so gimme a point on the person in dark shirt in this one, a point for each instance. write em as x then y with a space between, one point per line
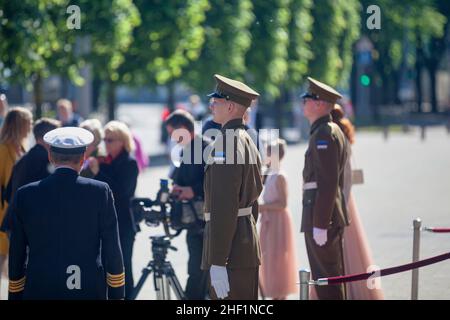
188 185
211 129
33 166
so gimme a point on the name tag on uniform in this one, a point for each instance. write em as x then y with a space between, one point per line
322 144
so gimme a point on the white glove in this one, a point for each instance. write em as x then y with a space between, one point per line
320 236
219 281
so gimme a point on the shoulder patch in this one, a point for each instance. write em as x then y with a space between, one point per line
219 156
322 144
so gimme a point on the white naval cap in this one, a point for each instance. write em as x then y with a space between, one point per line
69 140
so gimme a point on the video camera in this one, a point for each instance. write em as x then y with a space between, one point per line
168 210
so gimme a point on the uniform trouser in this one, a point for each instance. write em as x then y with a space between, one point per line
243 284
196 285
127 242
327 261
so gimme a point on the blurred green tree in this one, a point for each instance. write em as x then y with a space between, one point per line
298 57
402 25
266 59
108 27
35 42
335 29
227 40
170 36
431 34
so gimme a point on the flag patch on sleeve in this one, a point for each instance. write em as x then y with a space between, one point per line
322 144
219 156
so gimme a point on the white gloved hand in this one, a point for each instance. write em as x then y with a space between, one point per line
219 281
320 236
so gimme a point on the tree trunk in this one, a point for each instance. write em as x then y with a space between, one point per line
171 96
111 100
278 105
96 89
432 68
38 96
419 93
418 67
396 87
384 86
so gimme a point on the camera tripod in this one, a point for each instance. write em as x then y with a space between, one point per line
164 277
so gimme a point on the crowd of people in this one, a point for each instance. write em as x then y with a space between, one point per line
120 160
116 165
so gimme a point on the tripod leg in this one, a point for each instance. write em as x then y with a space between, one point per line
166 287
176 286
145 273
174 282
160 287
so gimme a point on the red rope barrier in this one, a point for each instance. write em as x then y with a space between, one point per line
437 230
383 272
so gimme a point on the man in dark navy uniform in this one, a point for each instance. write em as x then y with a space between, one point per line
63 228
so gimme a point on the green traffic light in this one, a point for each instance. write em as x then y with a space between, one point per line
365 80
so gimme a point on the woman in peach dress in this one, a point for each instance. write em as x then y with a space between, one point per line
357 253
278 273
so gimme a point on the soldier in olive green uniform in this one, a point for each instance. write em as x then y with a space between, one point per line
232 186
324 210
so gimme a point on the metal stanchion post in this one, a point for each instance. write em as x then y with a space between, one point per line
304 275
417 223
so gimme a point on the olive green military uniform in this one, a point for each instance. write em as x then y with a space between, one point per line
232 186
323 200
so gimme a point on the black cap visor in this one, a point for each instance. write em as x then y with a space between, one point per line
308 95
216 94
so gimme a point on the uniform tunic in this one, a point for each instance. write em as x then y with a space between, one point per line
324 203
61 226
232 182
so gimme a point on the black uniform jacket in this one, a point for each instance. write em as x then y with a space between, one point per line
61 226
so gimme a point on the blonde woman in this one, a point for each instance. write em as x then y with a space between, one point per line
120 170
13 135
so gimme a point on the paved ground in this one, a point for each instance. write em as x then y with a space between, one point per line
405 178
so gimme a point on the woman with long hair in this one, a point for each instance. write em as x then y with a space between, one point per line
14 132
120 170
357 253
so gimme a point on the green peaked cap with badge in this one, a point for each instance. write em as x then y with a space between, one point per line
233 90
321 91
